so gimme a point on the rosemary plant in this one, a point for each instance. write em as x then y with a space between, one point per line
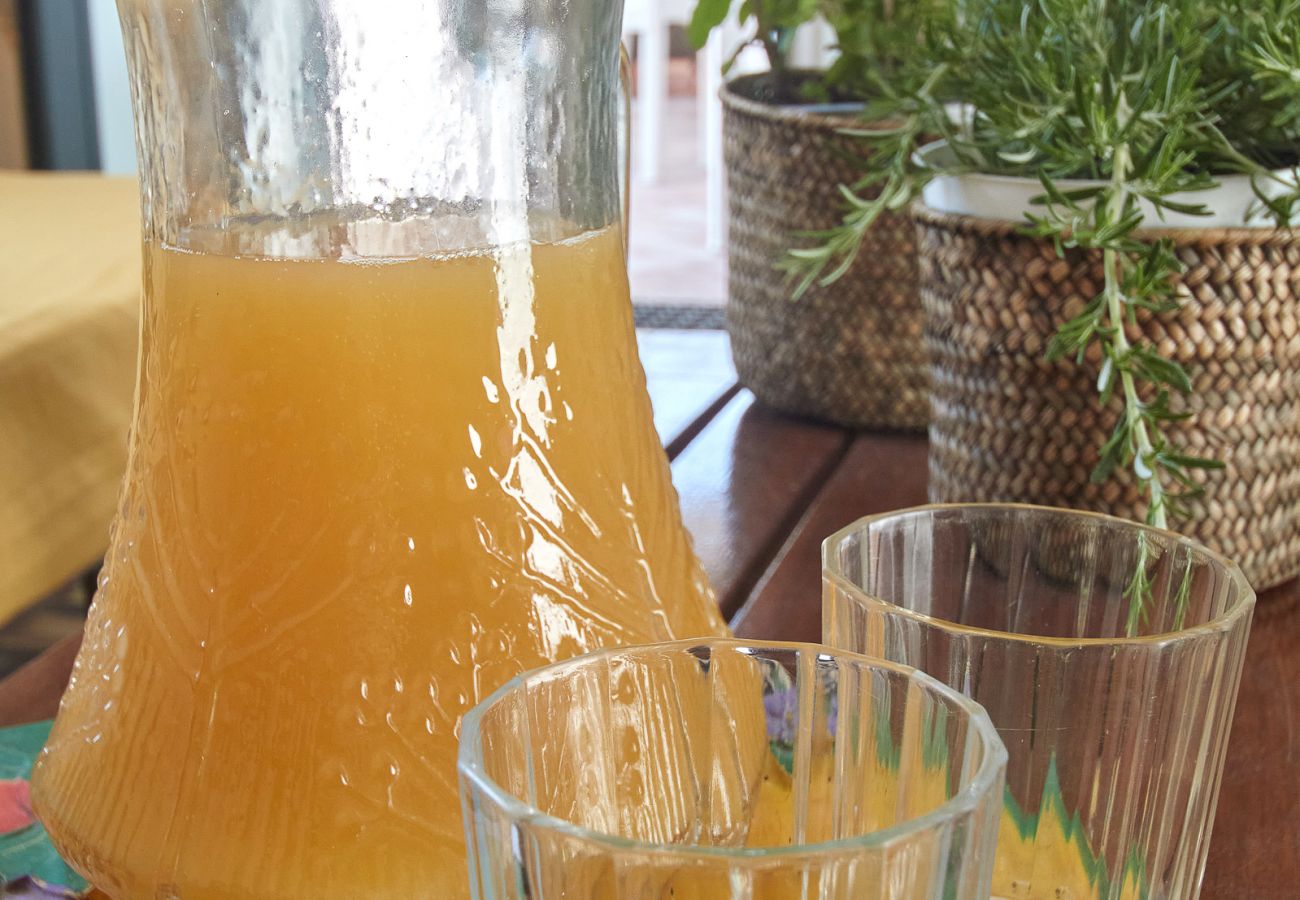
1149 99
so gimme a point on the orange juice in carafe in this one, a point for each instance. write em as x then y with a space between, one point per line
361 495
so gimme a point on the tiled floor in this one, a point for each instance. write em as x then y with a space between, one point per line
668 262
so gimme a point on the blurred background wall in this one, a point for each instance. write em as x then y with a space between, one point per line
13 122
65 100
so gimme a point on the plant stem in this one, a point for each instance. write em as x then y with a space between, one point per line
1144 455
771 45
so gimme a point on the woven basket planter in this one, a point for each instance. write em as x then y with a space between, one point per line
1009 426
852 352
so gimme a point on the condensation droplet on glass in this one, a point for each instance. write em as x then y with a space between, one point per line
475 441
470 481
408 600
397 685
552 357
410 543
490 389
365 690
568 410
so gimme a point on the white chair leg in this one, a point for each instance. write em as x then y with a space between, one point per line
715 179
652 90
702 62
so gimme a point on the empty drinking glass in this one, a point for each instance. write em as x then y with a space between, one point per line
1106 653
723 769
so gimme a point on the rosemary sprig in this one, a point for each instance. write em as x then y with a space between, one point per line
1139 589
890 186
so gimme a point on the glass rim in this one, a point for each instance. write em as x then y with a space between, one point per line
469 763
1240 606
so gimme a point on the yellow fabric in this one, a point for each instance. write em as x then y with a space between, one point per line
69 311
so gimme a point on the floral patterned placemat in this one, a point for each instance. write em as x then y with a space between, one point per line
29 866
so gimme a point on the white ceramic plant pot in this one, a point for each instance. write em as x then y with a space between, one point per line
1232 204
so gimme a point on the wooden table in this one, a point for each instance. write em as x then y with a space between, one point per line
760 490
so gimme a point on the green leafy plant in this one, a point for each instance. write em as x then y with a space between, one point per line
775 22
874 38
1150 99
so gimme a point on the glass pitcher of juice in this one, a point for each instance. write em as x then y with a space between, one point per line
391 446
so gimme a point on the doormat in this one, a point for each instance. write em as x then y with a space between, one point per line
685 316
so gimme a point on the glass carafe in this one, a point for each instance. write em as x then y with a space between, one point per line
392 443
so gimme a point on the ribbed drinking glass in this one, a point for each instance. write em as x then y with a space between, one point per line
1107 654
729 770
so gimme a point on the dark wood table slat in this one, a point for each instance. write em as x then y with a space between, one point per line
879 473
1255 850
744 481
32 693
